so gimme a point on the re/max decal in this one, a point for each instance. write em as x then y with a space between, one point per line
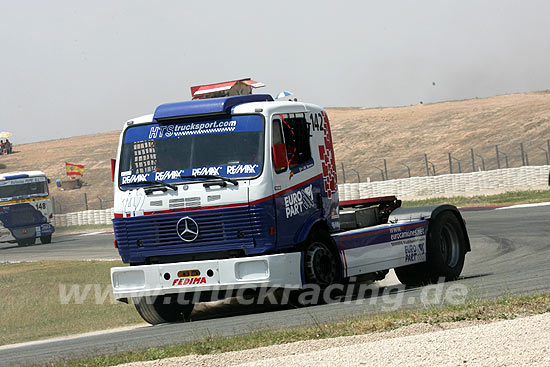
232 170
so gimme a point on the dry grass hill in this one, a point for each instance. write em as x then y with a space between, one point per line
363 138
402 135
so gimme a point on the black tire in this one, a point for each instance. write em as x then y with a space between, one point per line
445 253
322 263
162 309
46 239
26 242
322 267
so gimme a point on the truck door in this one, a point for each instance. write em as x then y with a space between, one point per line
297 184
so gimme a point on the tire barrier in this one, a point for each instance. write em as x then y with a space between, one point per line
82 218
518 178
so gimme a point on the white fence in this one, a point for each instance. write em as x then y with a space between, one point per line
85 217
517 178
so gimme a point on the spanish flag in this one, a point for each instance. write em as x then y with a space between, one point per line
74 169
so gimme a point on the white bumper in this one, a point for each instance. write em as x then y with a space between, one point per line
282 270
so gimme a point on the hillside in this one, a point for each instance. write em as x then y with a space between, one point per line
93 151
363 138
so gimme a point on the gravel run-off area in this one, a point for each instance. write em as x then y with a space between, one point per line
519 342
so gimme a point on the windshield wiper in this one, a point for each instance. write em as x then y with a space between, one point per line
156 183
213 177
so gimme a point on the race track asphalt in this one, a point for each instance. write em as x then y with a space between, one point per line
88 246
510 255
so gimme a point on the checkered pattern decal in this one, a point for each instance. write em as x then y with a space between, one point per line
326 153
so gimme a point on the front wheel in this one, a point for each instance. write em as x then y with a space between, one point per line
26 241
322 268
46 239
162 309
446 250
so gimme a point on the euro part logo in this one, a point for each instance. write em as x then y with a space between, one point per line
299 201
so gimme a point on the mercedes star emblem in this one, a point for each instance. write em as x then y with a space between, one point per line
188 229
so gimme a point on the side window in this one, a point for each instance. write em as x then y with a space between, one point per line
296 137
278 147
277 135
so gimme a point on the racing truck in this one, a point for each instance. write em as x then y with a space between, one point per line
240 192
25 208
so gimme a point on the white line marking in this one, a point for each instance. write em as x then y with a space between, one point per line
524 206
74 336
94 233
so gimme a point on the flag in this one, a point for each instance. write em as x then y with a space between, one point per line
74 169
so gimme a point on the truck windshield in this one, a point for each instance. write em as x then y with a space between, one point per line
23 188
228 147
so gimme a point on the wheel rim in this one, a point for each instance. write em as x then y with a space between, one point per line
320 264
450 245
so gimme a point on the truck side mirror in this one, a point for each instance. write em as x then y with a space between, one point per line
113 165
279 157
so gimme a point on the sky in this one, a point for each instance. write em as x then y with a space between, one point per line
73 68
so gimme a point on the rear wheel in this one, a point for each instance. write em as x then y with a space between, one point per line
446 250
46 239
162 309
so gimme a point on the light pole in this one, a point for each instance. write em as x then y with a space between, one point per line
433 167
427 167
358 177
459 167
343 172
408 169
546 154
381 172
482 162
505 158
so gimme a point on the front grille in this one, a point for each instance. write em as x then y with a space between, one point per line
23 215
184 203
221 229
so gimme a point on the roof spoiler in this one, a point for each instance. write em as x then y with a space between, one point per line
225 89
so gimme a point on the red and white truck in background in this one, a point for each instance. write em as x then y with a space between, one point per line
234 192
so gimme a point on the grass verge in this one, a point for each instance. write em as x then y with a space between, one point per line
507 307
507 198
33 293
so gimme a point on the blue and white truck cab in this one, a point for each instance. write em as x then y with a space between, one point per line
241 192
25 208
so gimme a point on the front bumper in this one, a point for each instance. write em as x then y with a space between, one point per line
25 232
281 270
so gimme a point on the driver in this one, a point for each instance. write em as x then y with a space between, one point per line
166 158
